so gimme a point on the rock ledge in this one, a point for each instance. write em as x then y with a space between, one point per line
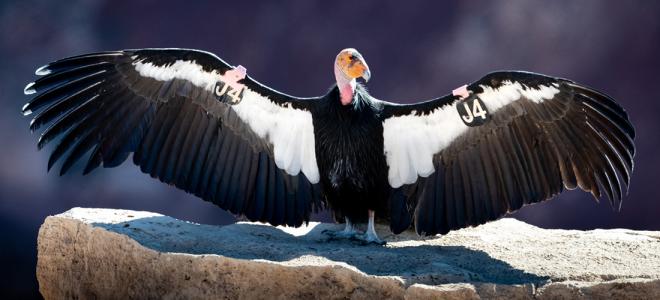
120 254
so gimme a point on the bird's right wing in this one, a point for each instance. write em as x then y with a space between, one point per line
190 120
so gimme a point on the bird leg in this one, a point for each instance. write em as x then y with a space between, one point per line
370 235
350 232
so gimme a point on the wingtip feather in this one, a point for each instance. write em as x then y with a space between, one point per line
41 142
32 124
43 70
25 110
28 90
50 164
88 170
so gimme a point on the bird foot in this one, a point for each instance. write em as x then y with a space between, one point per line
362 238
340 234
367 239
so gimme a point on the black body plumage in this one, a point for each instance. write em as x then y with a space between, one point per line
350 156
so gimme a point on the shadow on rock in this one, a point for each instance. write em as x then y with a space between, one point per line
411 258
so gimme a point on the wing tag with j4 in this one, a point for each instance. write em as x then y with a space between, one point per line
227 93
473 111
228 89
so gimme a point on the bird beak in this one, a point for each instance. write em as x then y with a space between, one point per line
366 75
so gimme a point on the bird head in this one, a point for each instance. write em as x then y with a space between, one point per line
351 63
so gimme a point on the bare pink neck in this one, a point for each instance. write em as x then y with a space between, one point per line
346 86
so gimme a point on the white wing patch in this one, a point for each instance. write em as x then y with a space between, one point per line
509 92
410 141
289 130
180 69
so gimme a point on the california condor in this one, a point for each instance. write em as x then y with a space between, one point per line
192 120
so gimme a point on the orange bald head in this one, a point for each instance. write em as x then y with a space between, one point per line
352 64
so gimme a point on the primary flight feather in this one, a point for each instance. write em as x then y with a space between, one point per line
192 120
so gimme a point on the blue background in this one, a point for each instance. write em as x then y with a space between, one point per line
416 50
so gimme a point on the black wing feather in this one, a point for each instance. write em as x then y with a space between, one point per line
178 131
528 152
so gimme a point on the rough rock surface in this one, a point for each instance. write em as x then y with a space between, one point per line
118 254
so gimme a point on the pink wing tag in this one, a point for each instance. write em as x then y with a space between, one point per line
228 85
234 75
461 92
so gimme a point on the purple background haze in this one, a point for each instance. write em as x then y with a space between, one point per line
415 50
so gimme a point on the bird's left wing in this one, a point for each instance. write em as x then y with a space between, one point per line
518 138
190 120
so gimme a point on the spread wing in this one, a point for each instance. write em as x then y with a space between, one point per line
519 138
236 143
